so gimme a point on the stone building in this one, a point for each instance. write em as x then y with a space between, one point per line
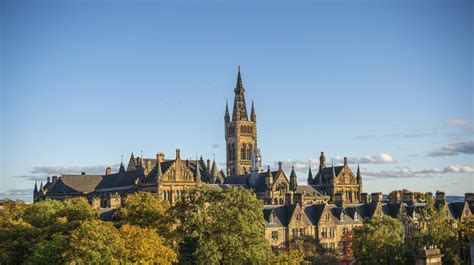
339 179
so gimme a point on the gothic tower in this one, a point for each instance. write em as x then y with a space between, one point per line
240 133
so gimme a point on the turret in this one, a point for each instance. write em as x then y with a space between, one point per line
240 107
35 191
269 179
293 179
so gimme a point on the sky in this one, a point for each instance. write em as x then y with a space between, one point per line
387 83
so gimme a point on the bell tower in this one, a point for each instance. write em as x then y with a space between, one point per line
240 133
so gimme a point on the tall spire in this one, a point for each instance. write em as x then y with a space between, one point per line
239 88
131 164
253 114
359 177
227 115
240 108
36 187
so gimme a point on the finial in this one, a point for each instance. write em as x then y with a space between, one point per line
280 164
121 159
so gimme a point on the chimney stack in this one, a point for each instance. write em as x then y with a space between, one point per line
469 198
345 161
49 179
160 157
108 171
440 197
408 198
209 166
178 154
55 178
83 173
376 197
364 198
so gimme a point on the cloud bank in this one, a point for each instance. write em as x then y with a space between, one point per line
454 149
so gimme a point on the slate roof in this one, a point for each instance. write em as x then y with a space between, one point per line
120 181
456 209
237 180
165 165
314 212
75 184
308 190
326 173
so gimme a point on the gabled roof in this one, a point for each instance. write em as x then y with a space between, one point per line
456 209
281 215
314 212
165 165
75 184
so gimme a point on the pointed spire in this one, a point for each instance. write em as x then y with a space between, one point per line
41 186
214 172
333 174
310 176
239 87
122 167
131 164
197 174
293 179
359 177
227 115
253 114
36 187
240 108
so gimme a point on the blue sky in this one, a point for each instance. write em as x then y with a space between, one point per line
387 83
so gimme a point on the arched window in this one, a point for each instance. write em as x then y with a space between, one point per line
242 152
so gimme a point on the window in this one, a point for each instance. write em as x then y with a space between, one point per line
294 232
331 232
274 235
324 232
298 217
302 231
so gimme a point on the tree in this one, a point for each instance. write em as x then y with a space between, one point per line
12 211
379 241
79 209
16 241
145 246
95 242
221 226
291 257
45 213
145 210
435 228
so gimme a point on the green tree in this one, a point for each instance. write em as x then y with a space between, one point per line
95 242
291 257
145 246
48 252
79 209
145 210
16 240
45 213
12 211
379 241
437 229
221 226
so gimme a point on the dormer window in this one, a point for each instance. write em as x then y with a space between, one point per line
272 218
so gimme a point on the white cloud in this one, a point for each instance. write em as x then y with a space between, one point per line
406 172
40 173
371 159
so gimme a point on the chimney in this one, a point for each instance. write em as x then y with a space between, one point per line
469 198
345 161
408 198
160 157
376 197
55 178
178 154
209 166
108 171
440 197
289 198
83 173
364 198
49 179
339 199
